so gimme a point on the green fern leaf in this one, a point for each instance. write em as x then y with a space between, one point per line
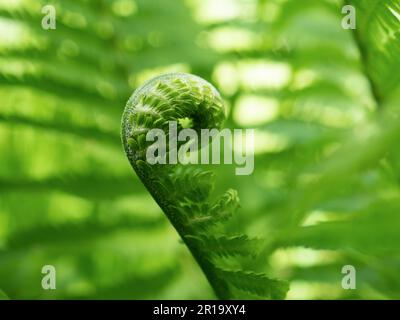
257 284
378 38
228 246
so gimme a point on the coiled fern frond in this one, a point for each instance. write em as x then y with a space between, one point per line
184 192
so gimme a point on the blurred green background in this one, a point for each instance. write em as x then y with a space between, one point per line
287 68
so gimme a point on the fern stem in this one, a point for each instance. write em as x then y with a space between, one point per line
219 287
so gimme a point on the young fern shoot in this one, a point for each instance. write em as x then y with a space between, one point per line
182 191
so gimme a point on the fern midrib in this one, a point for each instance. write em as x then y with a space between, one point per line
219 287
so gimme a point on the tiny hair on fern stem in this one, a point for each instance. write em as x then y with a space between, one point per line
183 192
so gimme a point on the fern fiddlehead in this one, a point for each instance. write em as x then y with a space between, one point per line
183 192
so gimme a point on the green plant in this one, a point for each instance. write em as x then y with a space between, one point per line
183 192
323 101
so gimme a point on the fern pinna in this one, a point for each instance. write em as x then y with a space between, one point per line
184 192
